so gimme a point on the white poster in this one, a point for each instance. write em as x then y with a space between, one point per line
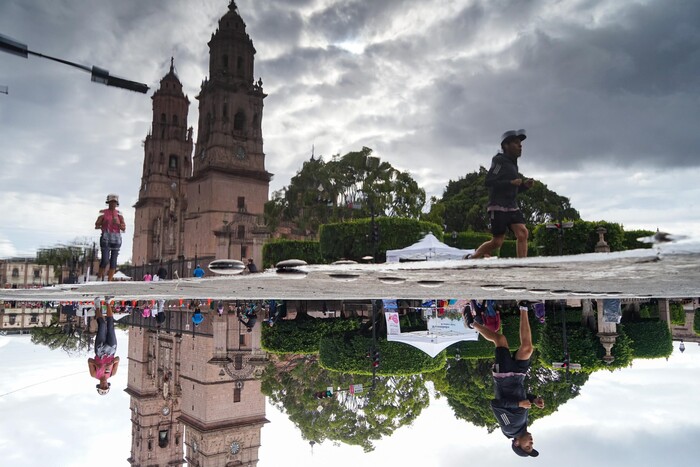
392 323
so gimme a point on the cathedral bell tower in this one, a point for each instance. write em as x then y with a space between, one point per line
229 187
160 209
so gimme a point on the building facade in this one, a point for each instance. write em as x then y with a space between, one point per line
195 393
210 204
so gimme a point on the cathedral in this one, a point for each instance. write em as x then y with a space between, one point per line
196 208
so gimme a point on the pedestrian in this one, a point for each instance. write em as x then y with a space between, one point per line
105 363
198 272
251 267
248 319
511 402
504 183
162 272
147 277
111 223
197 317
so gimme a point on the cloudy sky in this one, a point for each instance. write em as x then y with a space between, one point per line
643 415
607 90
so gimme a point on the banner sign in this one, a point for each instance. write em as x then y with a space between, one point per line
392 323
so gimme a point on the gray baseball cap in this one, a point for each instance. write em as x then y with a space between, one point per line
514 133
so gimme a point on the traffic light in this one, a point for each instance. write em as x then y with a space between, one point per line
324 394
375 233
375 358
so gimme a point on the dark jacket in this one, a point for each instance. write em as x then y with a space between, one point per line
501 191
509 392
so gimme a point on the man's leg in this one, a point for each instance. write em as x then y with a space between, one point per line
487 248
526 348
521 236
498 339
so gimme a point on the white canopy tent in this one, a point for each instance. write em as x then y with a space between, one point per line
430 342
429 248
120 276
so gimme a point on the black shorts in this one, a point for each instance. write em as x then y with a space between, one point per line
506 362
502 220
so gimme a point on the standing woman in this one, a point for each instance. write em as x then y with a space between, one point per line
111 222
105 363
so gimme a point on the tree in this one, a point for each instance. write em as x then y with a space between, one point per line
65 336
464 203
355 419
75 256
355 185
468 386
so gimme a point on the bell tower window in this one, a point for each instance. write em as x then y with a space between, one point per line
174 119
172 163
224 61
239 66
239 121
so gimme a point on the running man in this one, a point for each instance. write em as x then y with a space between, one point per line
512 403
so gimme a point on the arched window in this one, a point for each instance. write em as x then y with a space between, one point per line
162 118
174 119
241 231
239 121
163 438
239 66
225 61
172 162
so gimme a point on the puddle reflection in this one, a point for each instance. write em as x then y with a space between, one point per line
347 377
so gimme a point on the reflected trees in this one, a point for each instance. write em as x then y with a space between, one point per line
355 419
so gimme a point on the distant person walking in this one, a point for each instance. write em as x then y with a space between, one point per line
511 403
105 364
162 272
251 267
198 272
504 183
111 223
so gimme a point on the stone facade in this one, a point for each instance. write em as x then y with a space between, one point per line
195 396
213 207
25 273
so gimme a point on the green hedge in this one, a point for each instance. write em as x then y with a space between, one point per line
696 322
581 238
278 250
677 314
650 338
348 354
303 336
584 347
631 237
353 239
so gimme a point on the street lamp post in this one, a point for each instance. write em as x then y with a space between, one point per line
98 75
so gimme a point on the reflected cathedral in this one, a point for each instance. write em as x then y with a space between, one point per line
197 385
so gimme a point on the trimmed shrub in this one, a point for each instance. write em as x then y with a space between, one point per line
353 239
581 238
677 314
650 339
278 250
696 322
348 354
303 336
631 236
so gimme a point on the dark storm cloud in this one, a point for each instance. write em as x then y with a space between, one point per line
621 92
